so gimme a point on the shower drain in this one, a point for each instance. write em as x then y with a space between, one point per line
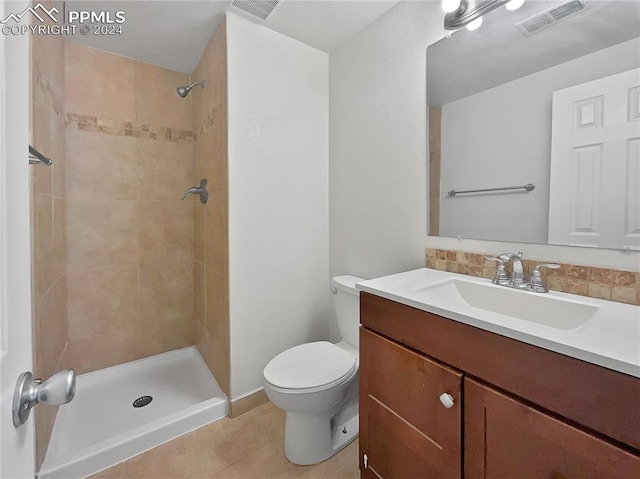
142 401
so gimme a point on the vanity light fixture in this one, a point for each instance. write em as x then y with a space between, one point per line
474 25
514 4
469 12
450 5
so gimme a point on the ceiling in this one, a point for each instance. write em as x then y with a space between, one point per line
498 52
173 34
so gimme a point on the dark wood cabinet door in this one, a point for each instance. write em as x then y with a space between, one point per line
405 430
505 438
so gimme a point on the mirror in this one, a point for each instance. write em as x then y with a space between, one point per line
525 100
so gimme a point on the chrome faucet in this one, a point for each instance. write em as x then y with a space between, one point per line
517 279
517 270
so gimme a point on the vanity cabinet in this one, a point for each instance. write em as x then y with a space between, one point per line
518 411
505 438
404 427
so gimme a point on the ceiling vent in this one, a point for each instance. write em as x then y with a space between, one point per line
257 8
549 17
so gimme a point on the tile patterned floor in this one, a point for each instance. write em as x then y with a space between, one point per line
249 446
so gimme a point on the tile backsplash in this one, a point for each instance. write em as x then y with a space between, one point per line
611 284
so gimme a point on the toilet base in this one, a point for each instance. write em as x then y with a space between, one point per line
310 439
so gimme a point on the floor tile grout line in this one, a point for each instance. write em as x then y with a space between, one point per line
273 440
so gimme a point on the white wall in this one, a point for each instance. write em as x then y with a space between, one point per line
278 204
378 154
507 141
378 150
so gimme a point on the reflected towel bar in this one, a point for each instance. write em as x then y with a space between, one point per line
527 187
37 158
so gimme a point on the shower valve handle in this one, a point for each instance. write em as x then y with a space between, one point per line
201 190
58 389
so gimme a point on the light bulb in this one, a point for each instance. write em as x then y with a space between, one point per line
514 4
475 24
450 5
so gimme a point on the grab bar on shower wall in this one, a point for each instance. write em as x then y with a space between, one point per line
527 187
37 158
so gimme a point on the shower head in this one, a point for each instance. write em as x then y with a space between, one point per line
183 91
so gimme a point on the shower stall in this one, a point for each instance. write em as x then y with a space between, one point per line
174 393
130 282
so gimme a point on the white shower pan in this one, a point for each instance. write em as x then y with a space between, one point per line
101 427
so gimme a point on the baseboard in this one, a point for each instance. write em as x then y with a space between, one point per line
247 403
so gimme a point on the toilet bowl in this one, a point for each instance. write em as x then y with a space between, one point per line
317 385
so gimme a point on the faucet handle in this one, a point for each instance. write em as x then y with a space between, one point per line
501 274
536 284
536 270
499 259
191 191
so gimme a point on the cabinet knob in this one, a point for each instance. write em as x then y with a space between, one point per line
447 400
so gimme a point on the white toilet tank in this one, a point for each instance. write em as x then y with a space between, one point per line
346 300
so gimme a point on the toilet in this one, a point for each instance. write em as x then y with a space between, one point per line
317 385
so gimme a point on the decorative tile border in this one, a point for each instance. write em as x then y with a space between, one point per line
601 283
127 128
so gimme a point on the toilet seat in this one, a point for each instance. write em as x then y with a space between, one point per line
311 366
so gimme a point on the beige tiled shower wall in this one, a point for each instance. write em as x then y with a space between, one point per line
48 221
210 225
129 143
602 283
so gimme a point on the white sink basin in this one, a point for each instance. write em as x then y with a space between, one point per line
534 307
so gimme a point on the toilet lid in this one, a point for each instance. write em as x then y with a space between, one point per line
308 366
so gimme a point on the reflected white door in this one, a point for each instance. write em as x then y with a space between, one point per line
594 197
16 444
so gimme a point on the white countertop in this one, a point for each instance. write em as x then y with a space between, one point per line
611 338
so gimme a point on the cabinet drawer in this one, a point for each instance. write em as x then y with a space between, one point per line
405 430
505 438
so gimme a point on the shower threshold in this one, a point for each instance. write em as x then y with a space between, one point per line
174 393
